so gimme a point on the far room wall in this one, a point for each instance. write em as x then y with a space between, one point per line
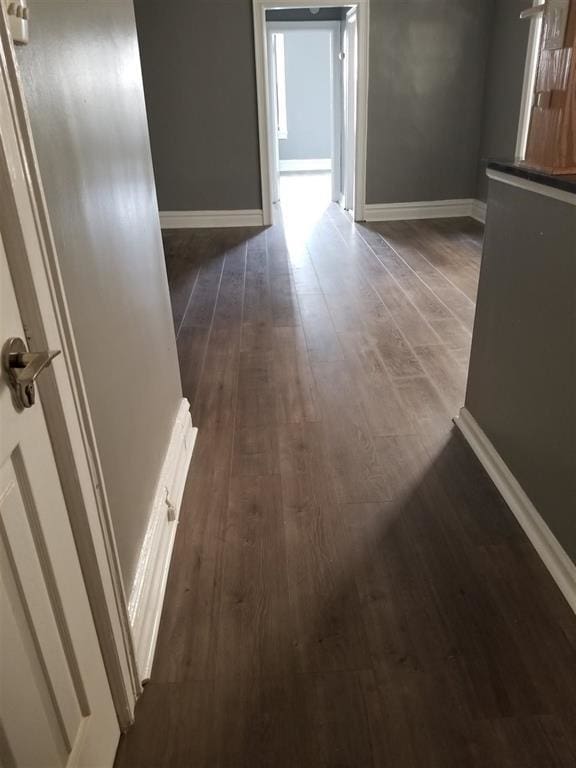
427 98
503 87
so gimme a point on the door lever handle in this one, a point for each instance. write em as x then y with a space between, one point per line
23 368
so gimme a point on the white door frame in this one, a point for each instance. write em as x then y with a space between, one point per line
529 81
349 99
273 121
35 271
263 95
336 106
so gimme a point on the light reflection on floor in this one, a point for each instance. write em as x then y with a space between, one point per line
304 197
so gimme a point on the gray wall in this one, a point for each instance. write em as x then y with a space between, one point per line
503 88
83 84
522 380
427 66
308 95
199 75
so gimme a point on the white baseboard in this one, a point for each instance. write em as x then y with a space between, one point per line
147 596
431 209
554 557
205 219
295 166
478 211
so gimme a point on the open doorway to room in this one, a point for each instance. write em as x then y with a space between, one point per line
306 102
311 67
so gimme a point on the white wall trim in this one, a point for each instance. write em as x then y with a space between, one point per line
147 595
431 209
478 210
362 108
262 88
201 219
532 186
302 166
554 557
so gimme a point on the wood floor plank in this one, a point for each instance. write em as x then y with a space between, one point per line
228 311
190 619
285 309
182 277
200 310
349 450
294 386
325 620
373 385
321 338
407 317
453 334
175 706
255 451
435 296
251 639
398 357
215 401
447 373
443 262
257 309
191 347
424 404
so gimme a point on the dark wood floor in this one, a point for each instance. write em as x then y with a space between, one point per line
347 589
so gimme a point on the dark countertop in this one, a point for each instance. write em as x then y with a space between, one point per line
565 182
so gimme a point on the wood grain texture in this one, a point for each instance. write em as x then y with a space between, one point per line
347 588
551 142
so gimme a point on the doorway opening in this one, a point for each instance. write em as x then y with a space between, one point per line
311 66
306 94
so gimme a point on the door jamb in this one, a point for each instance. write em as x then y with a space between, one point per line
262 89
530 70
34 266
348 100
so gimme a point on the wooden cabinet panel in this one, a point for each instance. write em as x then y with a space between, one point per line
552 136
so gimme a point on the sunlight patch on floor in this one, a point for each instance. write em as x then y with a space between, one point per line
304 198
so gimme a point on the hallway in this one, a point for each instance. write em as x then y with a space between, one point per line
347 588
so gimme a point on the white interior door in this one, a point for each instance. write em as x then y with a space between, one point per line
350 105
55 703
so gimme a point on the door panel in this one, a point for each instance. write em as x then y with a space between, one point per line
55 703
30 611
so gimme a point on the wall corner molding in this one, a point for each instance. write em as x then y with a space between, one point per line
429 209
478 211
147 595
551 552
209 219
